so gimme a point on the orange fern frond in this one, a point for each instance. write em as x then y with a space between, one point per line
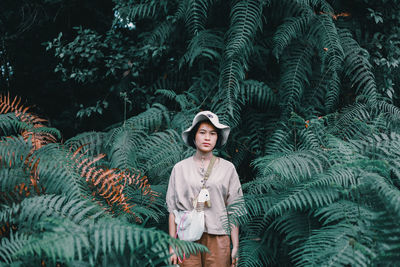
37 139
7 106
109 184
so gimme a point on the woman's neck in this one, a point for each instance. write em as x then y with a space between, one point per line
203 156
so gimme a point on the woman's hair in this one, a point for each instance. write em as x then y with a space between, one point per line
192 134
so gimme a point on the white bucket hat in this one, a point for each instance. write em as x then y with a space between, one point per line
211 117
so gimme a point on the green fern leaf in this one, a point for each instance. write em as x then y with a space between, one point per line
245 21
196 15
205 44
292 28
357 67
152 119
295 77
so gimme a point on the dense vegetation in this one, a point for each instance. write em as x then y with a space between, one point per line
309 88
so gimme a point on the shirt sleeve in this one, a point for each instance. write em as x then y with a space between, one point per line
235 195
171 193
234 189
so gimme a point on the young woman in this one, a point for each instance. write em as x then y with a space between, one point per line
223 185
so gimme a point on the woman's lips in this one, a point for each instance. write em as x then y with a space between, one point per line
206 144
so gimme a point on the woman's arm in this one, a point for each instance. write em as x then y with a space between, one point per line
235 244
172 233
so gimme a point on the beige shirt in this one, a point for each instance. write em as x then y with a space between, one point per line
223 185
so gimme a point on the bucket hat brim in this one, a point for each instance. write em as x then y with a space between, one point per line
211 117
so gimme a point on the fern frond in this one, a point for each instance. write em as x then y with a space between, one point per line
389 194
160 152
254 253
136 11
152 118
35 209
231 75
110 185
32 127
160 34
204 86
93 142
246 19
205 44
292 166
183 100
7 105
349 123
12 178
391 110
196 15
295 76
332 246
227 108
10 124
114 235
59 240
330 48
258 95
387 234
57 171
14 151
344 211
280 141
123 145
332 89
9 247
296 198
292 28
357 66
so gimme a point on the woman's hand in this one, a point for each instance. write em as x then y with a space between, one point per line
234 256
235 245
173 259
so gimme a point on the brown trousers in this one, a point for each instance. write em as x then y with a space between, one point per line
219 255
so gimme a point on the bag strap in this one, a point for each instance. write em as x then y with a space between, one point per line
209 169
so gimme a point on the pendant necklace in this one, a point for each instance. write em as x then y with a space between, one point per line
202 166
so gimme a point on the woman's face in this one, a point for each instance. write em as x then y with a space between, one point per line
206 137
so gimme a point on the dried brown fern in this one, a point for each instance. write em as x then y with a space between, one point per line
109 184
38 139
